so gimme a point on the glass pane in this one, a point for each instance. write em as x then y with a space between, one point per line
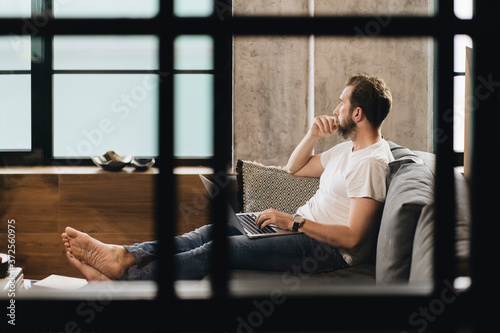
193 132
193 7
193 52
106 52
459 113
15 8
97 113
15 53
460 42
464 9
108 8
15 112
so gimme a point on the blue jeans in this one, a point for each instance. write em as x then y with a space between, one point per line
193 254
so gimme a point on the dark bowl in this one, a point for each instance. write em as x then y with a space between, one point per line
142 164
111 161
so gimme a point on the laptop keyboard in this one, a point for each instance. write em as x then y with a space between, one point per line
248 222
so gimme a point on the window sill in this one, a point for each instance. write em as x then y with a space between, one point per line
75 170
193 170
90 170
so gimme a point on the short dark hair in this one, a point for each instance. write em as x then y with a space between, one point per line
371 94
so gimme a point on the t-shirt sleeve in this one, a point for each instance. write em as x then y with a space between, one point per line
367 179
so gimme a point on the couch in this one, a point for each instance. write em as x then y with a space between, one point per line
404 247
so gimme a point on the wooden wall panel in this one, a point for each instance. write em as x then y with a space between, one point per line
42 254
116 208
30 199
114 204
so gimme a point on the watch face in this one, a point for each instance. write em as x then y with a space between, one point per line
298 219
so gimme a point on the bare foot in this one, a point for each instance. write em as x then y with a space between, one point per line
90 274
110 260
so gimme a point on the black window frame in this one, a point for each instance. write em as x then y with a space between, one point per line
42 73
349 312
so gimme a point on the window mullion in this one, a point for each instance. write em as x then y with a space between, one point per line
41 86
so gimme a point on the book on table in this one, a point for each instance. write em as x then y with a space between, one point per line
13 280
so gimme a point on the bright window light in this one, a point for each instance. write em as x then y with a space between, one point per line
193 52
106 52
15 8
15 53
460 42
94 113
107 8
15 112
193 110
464 9
192 8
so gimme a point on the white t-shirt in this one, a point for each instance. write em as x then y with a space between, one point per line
347 175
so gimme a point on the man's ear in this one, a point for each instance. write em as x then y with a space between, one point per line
358 114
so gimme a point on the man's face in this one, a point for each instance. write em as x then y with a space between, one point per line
346 126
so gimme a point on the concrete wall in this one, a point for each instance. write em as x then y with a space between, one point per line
402 63
270 86
275 97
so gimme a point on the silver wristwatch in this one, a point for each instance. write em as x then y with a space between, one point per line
298 221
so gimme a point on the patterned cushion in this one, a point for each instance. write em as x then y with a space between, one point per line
261 187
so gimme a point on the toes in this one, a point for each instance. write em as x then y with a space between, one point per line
71 258
71 233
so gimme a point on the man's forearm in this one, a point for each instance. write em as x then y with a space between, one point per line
302 153
335 235
363 215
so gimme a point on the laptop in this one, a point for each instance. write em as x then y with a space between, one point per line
245 222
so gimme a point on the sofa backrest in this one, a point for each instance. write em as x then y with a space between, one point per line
407 220
405 246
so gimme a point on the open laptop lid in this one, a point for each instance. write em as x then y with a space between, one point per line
213 191
233 219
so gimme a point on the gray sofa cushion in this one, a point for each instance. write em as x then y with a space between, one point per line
422 256
410 189
401 153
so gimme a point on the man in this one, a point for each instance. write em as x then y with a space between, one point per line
337 223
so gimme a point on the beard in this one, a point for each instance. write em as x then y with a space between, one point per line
348 130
